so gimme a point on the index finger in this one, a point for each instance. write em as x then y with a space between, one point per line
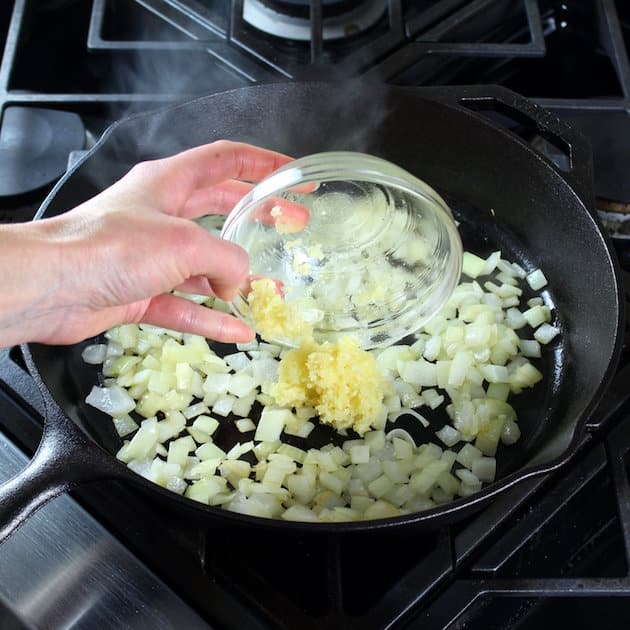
221 160
177 177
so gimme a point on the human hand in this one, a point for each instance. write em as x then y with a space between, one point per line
115 258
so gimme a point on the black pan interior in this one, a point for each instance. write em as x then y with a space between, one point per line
505 196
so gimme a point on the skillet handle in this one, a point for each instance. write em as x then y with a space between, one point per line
64 459
564 148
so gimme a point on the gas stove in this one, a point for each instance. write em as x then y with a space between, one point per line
552 548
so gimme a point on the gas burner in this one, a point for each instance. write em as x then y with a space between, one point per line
34 147
292 19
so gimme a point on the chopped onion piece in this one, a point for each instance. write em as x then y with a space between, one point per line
113 400
420 373
491 263
530 348
194 410
505 278
535 316
388 358
546 333
484 468
515 319
125 425
177 485
299 513
432 398
243 406
536 280
218 383
94 354
498 391
432 348
360 454
495 373
241 385
272 422
141 467
449 435
462 361
467 476
400 434
209 451
252 345
519 271
403 449
223 405
467 455
245 424
238 361
178 451
535 301
472 265
506 267
206 424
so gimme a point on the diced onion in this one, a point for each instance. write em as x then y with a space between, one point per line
536 280
472 265
468 360
449 435
125 425
113 400
401 434
245 424
94 354
546 333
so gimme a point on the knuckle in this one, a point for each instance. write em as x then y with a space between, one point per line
241 259
188 319
219 333
237 256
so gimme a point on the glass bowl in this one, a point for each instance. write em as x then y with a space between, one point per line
358 245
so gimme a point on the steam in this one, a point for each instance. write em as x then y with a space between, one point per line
290 118
161 78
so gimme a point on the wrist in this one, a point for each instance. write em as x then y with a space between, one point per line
30 287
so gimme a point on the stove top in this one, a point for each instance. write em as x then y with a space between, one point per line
553 548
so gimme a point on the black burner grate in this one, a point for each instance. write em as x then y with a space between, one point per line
109 58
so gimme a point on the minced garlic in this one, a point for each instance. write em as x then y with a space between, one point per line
274 318
340 380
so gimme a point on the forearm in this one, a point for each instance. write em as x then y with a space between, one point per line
29 280
117 257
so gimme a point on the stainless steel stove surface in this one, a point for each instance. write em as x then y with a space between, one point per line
73 573
553 550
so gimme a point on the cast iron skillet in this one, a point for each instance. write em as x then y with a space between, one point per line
505 194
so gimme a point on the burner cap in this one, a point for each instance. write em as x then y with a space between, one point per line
301 8
290 19
34 147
